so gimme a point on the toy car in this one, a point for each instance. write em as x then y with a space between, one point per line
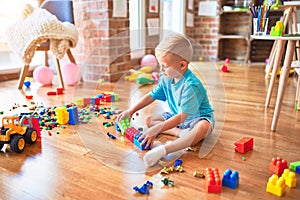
16 134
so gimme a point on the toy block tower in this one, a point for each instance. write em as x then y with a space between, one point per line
278 165
213 180
244 145
230 179
123 125
290 178
130 132
138 143
276 185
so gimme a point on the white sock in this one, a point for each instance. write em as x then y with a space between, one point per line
184 132
153 156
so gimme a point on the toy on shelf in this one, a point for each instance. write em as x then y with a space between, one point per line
213 180
244 144
276 185
230 179
295 166
225 66
278 29
278 165
290 178
16 134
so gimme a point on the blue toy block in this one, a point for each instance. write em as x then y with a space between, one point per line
298 169
294 165
177 163
144 189
230 179
137 143
73 115
93 101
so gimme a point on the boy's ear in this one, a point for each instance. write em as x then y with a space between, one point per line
183 65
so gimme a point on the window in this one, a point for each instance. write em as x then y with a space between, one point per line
172 16
136 24
10 12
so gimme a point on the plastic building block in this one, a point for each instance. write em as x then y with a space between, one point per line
86 101
138 143
59 90
278 165
230 179
244 145
177 163
298 169
276 185
290 178
130 132
62 115
168 182
294 165
213 180
73 115
78 101
123 125
110 135
278 29
144 189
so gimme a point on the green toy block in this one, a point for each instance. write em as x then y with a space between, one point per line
293 165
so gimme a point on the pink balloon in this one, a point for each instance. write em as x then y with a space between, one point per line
43 75
149 60
70 73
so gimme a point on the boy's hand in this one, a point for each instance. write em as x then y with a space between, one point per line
125 114
149 137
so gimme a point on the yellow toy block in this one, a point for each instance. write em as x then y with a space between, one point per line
62 115
79 101
290 178
276 185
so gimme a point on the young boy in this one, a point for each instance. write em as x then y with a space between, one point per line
191 115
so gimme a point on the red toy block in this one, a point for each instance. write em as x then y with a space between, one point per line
106 98
278 165
213 180
86 101
97 101
59 90
130 132
244 144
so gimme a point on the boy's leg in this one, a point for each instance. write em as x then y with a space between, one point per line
197 133
154 119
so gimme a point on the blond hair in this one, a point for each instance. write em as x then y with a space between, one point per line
177 44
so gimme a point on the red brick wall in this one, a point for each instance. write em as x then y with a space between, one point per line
103 49
206 33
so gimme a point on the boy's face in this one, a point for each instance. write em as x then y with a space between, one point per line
172 66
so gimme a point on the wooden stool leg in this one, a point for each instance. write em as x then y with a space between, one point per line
61 81
298 93
271 59
277 59
71 57
46 59
23 74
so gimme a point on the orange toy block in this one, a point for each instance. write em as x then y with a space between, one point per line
213 180
276 185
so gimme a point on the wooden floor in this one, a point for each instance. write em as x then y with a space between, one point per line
81 162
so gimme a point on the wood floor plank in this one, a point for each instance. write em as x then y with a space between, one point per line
81 162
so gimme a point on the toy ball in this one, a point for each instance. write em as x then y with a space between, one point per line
224 68
43 75
70 73
227 60
150 60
